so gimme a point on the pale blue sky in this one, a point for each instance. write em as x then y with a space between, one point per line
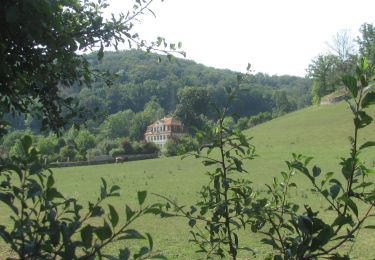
276 37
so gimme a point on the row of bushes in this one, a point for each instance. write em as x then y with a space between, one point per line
129 148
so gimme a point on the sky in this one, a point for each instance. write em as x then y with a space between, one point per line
276 37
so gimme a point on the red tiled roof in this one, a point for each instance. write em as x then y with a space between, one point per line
167 121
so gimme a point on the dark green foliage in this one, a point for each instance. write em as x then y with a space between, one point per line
127 147
366 43
150 148
325 73
282 104
68 153
116 152
142 82
40 45
180 145
192 103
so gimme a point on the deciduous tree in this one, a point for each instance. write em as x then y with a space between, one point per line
40 52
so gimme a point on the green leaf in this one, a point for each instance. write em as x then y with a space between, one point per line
363 120
150 241
235 239
113 215
129 213
124 254
316 171
103 232
143 251
97 211
342 220
368 99
367 144
114 188
35 168
50 181
8 199
322 238
52 193
192 222
351 83
351 204
100 54
86 236
141 196
285 175
153 210
132 234
305 224
334 190
208 162
307 160
103 189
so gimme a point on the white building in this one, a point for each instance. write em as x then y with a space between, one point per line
163 130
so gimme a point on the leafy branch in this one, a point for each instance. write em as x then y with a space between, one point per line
50 226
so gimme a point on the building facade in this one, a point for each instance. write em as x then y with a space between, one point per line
164 129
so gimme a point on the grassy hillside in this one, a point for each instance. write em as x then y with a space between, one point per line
316 131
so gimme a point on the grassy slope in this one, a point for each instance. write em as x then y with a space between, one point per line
317 131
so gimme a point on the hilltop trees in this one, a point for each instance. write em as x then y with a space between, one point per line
326 69
366 42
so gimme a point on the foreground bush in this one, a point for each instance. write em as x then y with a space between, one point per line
47 225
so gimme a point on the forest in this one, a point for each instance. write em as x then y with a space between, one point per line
143 88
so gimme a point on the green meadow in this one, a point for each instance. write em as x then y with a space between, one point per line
319 131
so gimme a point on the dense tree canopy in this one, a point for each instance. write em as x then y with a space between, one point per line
366 42
39 52
324 70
